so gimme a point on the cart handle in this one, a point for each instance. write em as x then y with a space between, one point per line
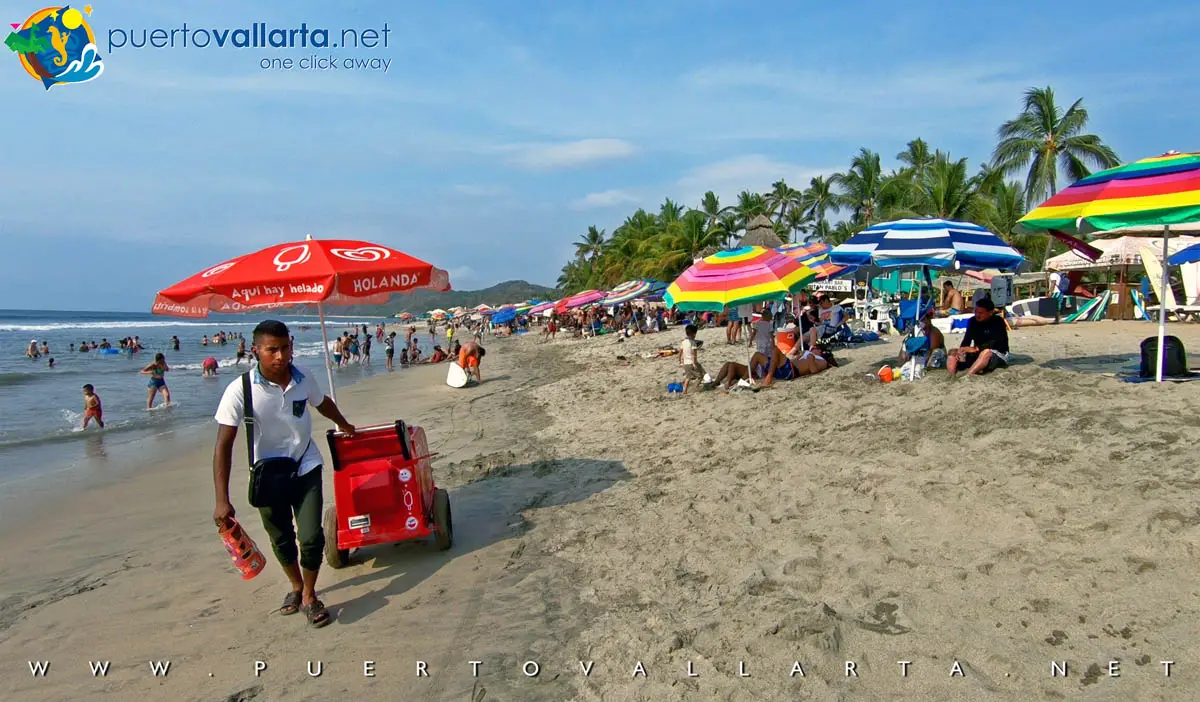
373 427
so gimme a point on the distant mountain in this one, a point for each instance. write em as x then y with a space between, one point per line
425 300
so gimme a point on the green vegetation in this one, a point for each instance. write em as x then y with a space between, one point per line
928 182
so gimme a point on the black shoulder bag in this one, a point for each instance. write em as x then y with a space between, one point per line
270 478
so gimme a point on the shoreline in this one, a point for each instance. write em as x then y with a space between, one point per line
599 519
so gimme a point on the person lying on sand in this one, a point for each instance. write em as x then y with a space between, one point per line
985 343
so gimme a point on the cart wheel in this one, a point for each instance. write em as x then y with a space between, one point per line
334 556
441 519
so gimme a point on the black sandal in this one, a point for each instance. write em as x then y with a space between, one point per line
291 603
317 615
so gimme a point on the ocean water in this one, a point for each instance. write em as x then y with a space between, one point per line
41 408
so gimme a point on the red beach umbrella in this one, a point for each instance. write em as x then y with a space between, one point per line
313 271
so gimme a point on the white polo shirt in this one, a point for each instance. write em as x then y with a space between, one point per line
282 416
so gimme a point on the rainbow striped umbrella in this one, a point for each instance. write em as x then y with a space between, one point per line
816 257
737 277
1145 195
586 297
1158 193
631 290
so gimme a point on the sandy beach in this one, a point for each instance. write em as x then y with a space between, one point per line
988 526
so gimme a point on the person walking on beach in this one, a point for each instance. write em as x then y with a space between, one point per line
92 409
688 350
158 382
280 393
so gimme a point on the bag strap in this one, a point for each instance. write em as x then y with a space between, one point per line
248 404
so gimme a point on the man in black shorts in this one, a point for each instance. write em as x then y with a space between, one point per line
985 344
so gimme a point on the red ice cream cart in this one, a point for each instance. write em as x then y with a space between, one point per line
383 491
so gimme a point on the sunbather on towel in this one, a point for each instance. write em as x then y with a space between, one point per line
985 344
810 361
768 370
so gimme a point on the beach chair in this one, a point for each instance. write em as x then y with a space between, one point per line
905 314
1154 273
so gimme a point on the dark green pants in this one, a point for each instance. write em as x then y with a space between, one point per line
304 504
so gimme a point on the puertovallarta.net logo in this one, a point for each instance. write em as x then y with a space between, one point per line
56 46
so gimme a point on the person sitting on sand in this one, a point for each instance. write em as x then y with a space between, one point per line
469 358
952 300
767 368
985 343
158 382
832 316
92 409
438 355
930 342
404 357
688 361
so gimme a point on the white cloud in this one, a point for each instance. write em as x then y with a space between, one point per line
753 172
572 154
608 198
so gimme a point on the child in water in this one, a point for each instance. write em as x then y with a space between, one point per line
92 409
158 383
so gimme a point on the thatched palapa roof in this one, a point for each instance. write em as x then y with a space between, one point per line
761 232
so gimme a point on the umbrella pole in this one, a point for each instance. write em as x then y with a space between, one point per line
325 348
1162 307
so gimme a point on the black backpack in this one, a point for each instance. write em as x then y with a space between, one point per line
1175 361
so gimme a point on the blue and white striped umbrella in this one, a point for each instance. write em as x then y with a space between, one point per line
937 243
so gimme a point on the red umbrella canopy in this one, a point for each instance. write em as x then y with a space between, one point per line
334 271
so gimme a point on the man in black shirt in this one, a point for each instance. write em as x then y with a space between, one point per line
985 345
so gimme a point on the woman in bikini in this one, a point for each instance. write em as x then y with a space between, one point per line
158 382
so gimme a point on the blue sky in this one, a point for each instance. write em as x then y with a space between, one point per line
503 129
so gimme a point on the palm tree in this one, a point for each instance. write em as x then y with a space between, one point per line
749 206
710 205
670 211
945 190
796 221
916 159
819 199
781 199
861 187
591 244
1047 139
